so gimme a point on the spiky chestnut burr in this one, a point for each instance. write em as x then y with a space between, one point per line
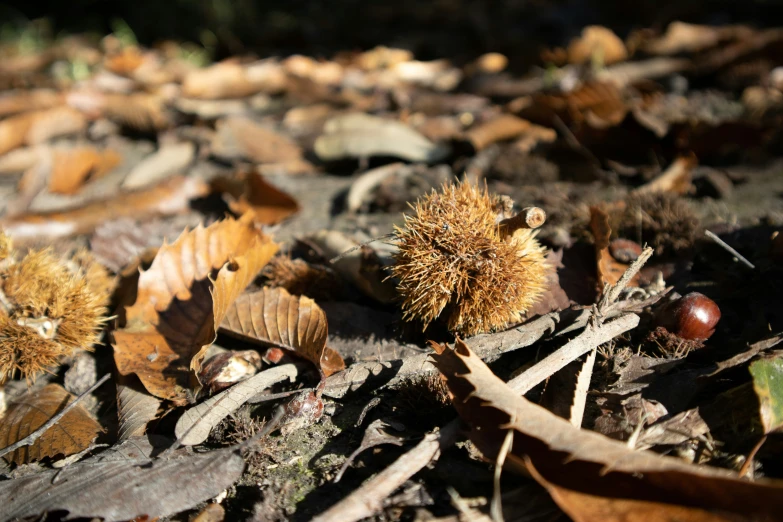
50 307
458 257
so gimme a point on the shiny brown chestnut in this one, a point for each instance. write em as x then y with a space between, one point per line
693 316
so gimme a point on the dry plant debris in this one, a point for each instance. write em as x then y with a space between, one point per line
75 431
259 252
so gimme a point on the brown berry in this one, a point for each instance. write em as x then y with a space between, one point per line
692 317
625 250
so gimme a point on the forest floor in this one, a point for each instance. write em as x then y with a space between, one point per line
227 243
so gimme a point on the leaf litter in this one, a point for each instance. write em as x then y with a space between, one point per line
276 255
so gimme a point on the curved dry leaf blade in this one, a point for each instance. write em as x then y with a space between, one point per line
584 507
504 127
170 197
139 111
73 168
72 434
361 135
196 423
269 204
233 80
586 461
250 192
135 408
676 179
155 488
295 323
167 161
22 101
239 137
178 307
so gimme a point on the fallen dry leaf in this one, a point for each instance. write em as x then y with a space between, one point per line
588 462
599 104
360 135
170 197
683 37
361 266
239 137
504 127
250 192
166 161
148 487
233 80
36 127
72 168
180 303
23 101
18 160
609 270
676 179
139 111
597 44
197 422
295 323
584 507
72 433
135 408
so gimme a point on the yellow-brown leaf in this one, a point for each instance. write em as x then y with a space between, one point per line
295 323
71 434
178 306
73 168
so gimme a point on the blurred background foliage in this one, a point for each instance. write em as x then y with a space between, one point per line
456 29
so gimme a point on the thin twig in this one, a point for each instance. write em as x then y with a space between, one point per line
593 335
729 249
613 292
34 436
368 498
496 507
360 245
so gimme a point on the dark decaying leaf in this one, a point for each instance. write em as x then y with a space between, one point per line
72 433
295 323
123 486
180 303
588 462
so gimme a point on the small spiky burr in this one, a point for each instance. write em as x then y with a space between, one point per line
459 258
50 307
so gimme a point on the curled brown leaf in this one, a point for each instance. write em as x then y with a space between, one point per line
182 299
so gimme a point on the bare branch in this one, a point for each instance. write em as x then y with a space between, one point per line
593 336
368 499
